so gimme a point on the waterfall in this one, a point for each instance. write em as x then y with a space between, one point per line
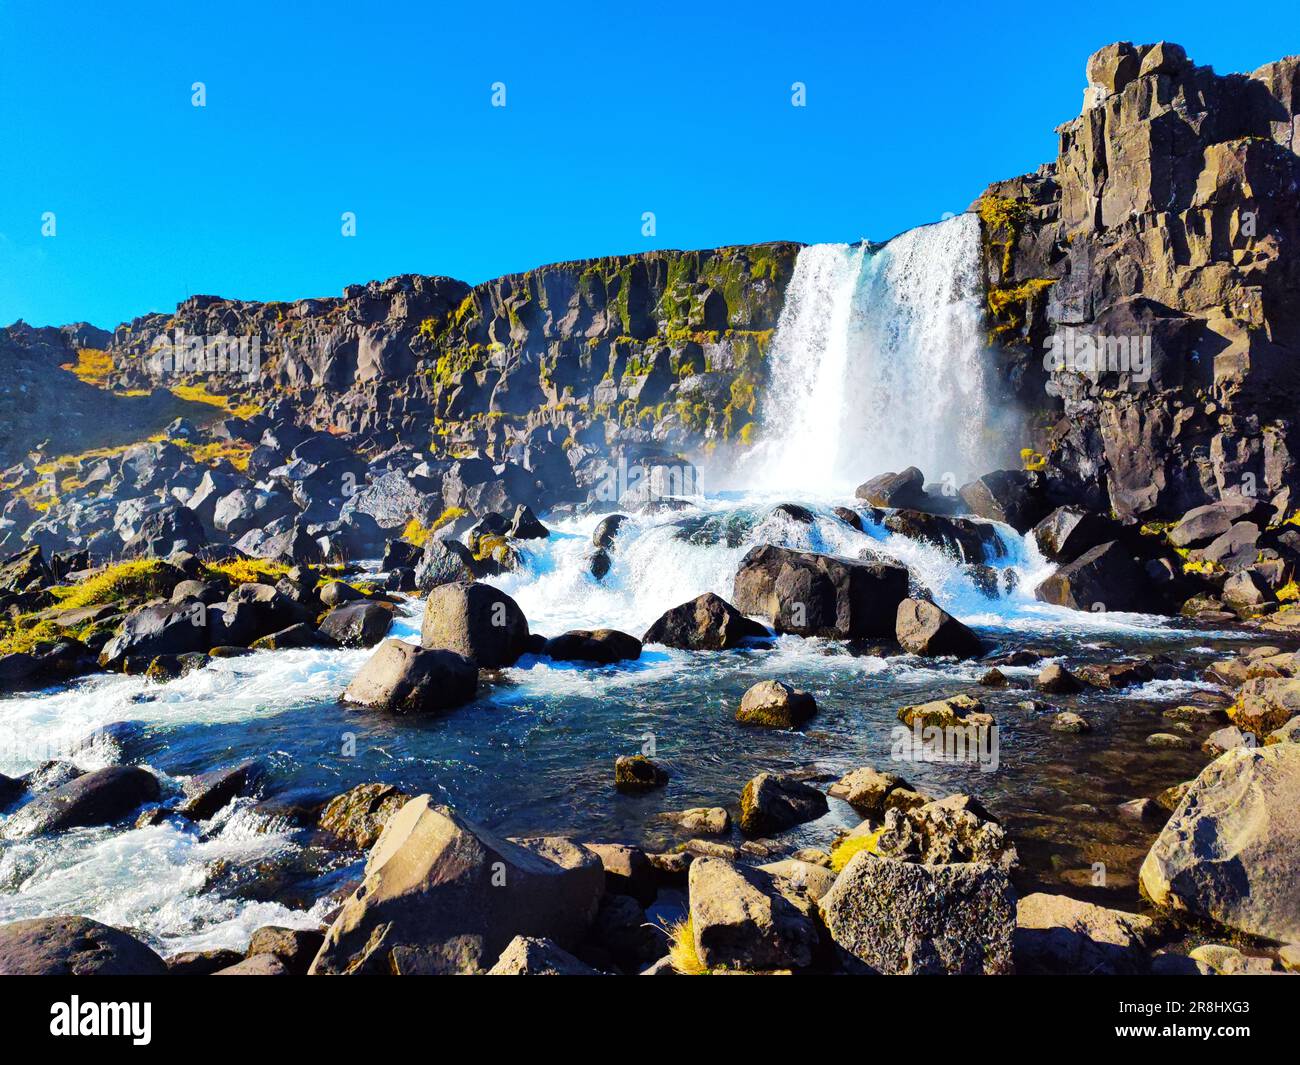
879 363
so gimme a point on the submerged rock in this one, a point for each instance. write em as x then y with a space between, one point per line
97 798
636 772
603 646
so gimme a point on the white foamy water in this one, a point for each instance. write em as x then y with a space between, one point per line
879 363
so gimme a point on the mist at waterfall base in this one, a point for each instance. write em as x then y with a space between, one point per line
878 363
534 754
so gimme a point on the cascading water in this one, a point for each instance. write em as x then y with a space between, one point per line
879 363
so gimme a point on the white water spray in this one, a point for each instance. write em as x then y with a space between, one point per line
879 363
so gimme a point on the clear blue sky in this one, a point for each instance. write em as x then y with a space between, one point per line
613 109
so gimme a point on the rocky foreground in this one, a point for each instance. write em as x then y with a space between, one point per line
923 884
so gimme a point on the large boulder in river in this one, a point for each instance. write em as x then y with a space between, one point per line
771 804
771 704
442 895
477 621
163 629
404 679
208 793
741 919
1106 577
894 917
1231 851
602 646
707 623
925 629
361 624
967 540
810 594
904 489
73 946
97 798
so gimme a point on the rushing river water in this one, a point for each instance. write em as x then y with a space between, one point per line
535 752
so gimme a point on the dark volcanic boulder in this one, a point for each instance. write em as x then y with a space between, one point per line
404 679
97 798
1068 532
810 594
1105 577
1013 497
443 562
600 645
603 535
206 794
1201 525
970 541
24 570
167 531
361 624
771 804
73 946
10 789
525 526
442 895
925 629
706 623
894 489
477 621
164 629
1236 550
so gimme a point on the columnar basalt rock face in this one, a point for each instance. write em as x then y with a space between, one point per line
1168 218
665 346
